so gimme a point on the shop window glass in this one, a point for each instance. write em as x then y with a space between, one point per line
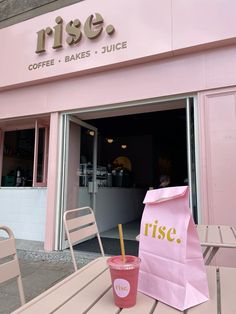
41 155
23 157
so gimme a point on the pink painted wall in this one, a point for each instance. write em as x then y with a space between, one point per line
177 75
153 28
1 151
52 182
202 22
218 154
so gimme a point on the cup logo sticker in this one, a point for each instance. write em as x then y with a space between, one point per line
121 287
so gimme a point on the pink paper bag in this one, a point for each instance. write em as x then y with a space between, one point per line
172 269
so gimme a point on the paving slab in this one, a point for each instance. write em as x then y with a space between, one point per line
37 276
40 270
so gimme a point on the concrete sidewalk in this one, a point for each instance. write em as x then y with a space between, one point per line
40 270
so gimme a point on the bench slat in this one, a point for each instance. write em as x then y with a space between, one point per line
144 304
227 235
87 296
201 229
7 247
227 290
213 235
9 270
165 309
105 305
83 233
79 221
52 299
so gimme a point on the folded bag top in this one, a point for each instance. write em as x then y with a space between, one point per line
164 194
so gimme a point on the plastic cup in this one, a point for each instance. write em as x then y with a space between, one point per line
124 277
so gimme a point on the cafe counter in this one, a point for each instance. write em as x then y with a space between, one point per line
114 205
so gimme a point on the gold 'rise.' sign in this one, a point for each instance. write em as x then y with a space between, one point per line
93 27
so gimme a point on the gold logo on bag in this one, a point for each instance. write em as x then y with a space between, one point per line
161 232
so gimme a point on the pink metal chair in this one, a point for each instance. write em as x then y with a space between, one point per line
9 264
80 224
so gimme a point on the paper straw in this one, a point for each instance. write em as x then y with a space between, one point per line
122 247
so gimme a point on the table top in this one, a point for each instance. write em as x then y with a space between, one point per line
88 290
217 236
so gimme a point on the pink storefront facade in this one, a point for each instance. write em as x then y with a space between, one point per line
159 52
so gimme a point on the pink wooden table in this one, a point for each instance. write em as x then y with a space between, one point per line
89 291
214 237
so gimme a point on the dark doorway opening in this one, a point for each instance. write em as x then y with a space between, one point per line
143 147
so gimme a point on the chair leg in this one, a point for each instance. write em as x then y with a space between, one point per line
21 290
206 251
100 244
73 257
211 255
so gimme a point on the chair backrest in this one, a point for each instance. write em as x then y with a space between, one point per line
9 264
80 224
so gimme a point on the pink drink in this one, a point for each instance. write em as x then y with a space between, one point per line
124 277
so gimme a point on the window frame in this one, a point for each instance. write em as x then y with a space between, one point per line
45 156
36 125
